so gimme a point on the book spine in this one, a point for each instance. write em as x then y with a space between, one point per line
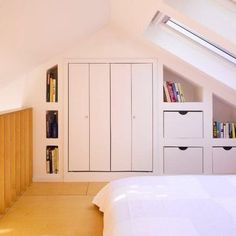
48 87
174 91
170 90
54 126
54 90
56 160
181 92
177 94
51 89
221 130
50 161
214 129
56 87
166 92
233 130
47 161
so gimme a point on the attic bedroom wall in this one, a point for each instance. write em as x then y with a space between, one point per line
12 94
107 43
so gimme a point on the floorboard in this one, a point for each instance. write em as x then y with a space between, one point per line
54 209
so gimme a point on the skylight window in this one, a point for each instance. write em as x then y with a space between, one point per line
199 39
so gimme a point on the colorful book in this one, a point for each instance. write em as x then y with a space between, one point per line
166 92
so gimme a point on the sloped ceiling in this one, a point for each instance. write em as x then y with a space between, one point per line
213 19
32 31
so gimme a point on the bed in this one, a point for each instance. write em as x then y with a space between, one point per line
169 205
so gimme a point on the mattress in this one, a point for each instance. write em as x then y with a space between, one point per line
169 205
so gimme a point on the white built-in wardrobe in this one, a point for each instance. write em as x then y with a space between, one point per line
110 117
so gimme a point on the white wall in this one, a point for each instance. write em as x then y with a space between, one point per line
110 42
106 43
12 94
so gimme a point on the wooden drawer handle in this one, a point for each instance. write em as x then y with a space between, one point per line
183 148
183 112
227 148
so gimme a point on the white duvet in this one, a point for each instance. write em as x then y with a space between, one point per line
169 206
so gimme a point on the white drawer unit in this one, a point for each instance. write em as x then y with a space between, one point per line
183 160
224 160
183 124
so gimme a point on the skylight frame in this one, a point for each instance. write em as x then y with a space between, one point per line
187 32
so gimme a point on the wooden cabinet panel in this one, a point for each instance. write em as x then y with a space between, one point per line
2 166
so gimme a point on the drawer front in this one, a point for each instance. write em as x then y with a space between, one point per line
179 160
183 124
224 160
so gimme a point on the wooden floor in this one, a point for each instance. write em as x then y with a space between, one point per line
54 209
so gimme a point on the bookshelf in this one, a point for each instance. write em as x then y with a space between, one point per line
224 119
52 84
52 122
52 156
187 142
182 138
191 91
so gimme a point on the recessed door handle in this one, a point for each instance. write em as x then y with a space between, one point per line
86 117
134 117
183 112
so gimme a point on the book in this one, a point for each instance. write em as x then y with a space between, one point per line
224 129
52 124
233 130
174 91
166 92
52 160
48 88
214 129
182 99
178 98
170 90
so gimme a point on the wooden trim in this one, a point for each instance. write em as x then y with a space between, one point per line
17 146
2 167
7 148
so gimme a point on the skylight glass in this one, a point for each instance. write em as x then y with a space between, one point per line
200 39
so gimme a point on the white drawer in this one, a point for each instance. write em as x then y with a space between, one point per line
224 160
183 124
183 160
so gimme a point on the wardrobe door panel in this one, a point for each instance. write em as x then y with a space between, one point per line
120 117
99 117
78 117
142 117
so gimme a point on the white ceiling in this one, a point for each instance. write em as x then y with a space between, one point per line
32 31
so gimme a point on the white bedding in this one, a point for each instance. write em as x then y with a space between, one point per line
169 205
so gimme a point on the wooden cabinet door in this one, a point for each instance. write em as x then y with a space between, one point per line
120 117
141 117
99 117
78 117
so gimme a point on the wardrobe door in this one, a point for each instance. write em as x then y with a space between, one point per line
99 117
120 117
141 117
78 117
